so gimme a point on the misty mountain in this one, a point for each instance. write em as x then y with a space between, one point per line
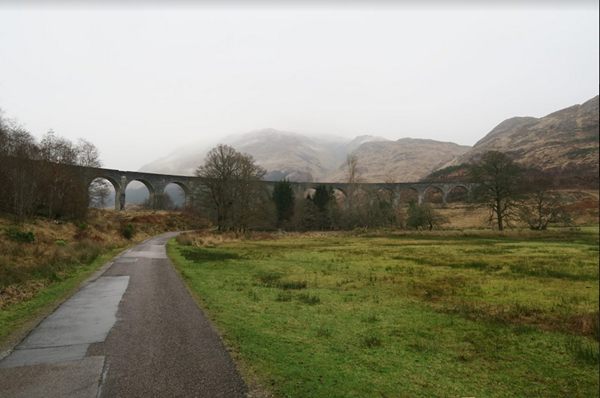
565 141
283 154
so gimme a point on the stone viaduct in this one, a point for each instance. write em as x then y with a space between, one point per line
156 184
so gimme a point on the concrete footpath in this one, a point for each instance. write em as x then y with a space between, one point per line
133 332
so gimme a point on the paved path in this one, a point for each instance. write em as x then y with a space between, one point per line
134 332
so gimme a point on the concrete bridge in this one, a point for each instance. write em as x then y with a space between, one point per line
156 184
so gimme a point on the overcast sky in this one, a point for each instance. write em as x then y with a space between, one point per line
141 81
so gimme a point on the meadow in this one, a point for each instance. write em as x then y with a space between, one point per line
419 315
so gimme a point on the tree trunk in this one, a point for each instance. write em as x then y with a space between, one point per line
500 220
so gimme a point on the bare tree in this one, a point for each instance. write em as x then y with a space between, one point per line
357 200
87 154
542 205
231 188
35 176
65 191
352 171
498 187
20 175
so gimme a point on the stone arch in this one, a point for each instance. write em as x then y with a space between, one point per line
342 197
434 195
361 197
309 193
387 194
458 193
151 191
408 195
97 193
187 192
343 191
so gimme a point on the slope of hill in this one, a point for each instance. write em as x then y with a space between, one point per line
404 160
562 142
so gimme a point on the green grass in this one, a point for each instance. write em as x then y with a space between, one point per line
446 315
12 318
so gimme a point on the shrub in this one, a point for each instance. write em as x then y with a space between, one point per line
309 299
129 231
16 235
185 240
61 242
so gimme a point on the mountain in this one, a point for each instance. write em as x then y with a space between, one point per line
562 142
304 158
565 142
405 160
283 154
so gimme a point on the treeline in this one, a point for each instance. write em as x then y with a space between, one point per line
34 179
235 199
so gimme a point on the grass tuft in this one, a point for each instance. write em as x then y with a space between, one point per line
291 285
583 350
309 299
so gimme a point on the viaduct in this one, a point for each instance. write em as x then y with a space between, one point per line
156 184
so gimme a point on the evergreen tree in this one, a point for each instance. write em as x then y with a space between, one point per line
325 201
285 201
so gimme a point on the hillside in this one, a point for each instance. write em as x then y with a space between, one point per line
404 160
564 142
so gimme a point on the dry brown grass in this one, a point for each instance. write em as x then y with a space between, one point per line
60 247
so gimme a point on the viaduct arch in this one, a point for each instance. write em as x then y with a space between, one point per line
395 189
156 184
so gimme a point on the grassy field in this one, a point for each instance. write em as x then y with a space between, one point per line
412 315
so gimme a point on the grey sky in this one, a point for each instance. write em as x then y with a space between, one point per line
141 81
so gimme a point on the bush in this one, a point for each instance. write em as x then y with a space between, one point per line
16 235
185 240
129 231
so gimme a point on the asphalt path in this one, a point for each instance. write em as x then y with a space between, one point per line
133 332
